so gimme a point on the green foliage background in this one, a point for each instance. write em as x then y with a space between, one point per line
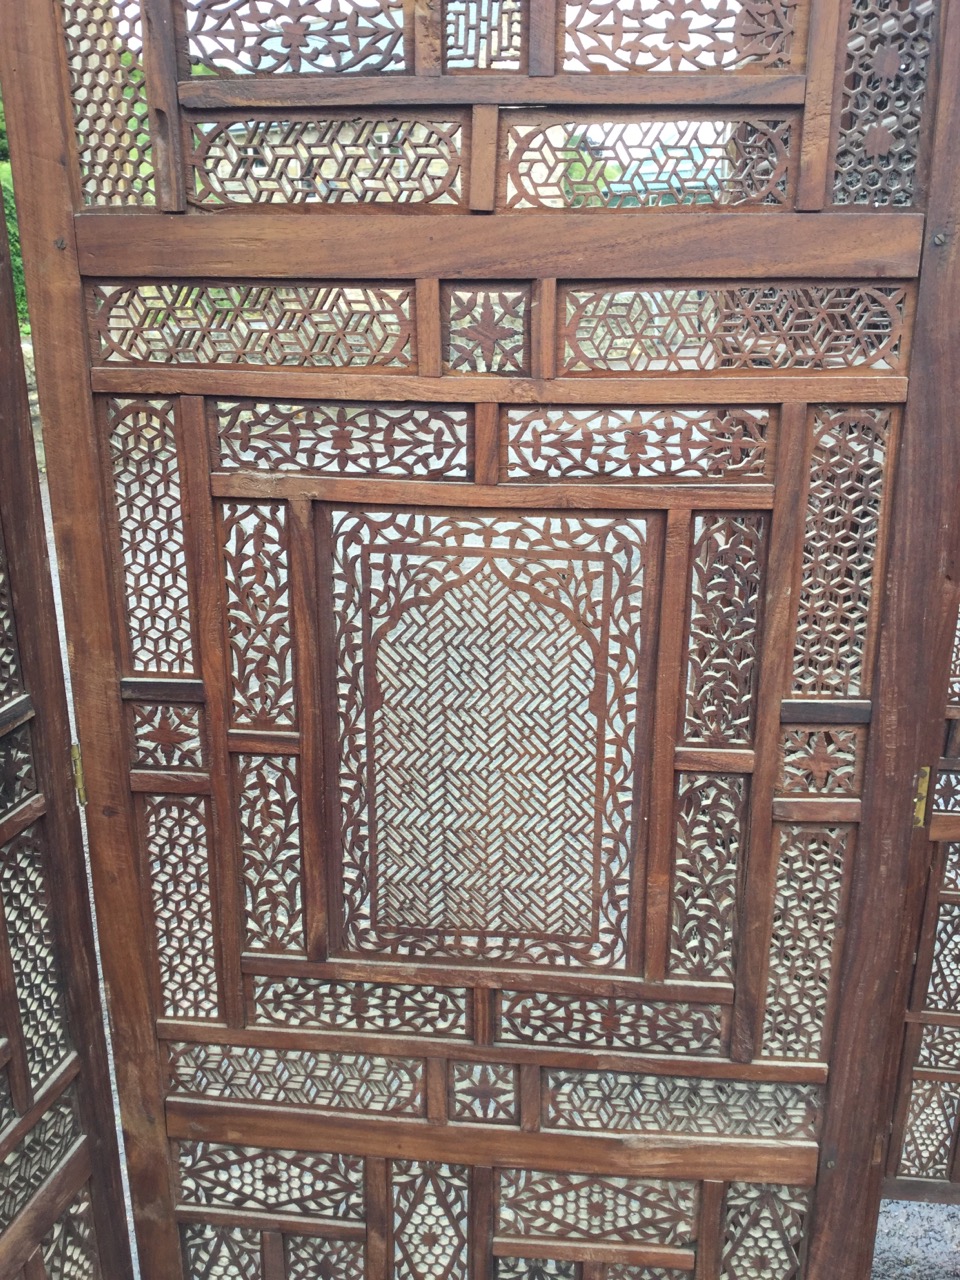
10 213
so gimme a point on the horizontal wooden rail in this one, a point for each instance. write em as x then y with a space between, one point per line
642 244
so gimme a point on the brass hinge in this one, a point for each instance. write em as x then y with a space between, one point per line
76 759
920 799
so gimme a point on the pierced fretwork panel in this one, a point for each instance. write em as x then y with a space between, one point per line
639 1026
168 736
943 991
269 815
635 162
932 1117
17 774
684 330
763 1232
361 1006
821 761
316 1258
247 1178
489 674
221 1253
889 50
572 443
411 442
577 1206
341 160
70 1248
484 1093
484 35
485 330
30 1163
430 1220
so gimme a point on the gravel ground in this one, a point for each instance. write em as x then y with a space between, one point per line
917 1242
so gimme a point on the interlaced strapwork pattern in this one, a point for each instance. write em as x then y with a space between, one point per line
940 1049
841 542
618 1101
221 1253
572 443
889 48
821 761
484 1092
501 659
250 1178
678 35
430 1218
931 1125
262 37
421 442
176 836
26 906
710 814
168 735
677 330
631 163
806 919
582 1207
146 478
763 1230
30 1163
610 1022
361 1006
70 1247
314 1258
485 330
103 41
268 804
378 160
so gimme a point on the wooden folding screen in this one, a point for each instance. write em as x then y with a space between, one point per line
61 1205
483 457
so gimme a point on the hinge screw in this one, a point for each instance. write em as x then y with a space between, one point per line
939 238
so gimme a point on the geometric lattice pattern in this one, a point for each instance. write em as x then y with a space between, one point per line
70 1248
176 839
940 1049
640 1026
724 604
620 1102
840 550
710 814
11 683
944 989
806 919
168 736
678 35
889 48
484 1092
313 1258
605 164
631 444
595 1208
17 777
763 1230
931 1126
26 911
103 39
28 1165
331 1081
236 37
485 330
146 481
487 639
483 35
677 330
320 1186
420 442
360 1006
534 1269
429 1221
269 817
363 160
821 761
322 326
221 1253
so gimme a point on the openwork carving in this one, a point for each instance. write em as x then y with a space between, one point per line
678 35
679 330
940 1049
328 161
806 918
480 659
269 814
146 480
618 1101
483 35
11 682
429 1220
315 1258
889 46
484 1092
330 1081
931 1125
168 735
70 1247
17 777
840 550
534 1269
944 989
821 761
257 577
633 444
221 1253
176 836
763 1230
951 869
485 330
724 605
25 903
421 442
636 162
946 795
319 1186
710 813
582 1207
611 1022
262 37
103 39
361 1006
626 1271
28 1165
321 326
